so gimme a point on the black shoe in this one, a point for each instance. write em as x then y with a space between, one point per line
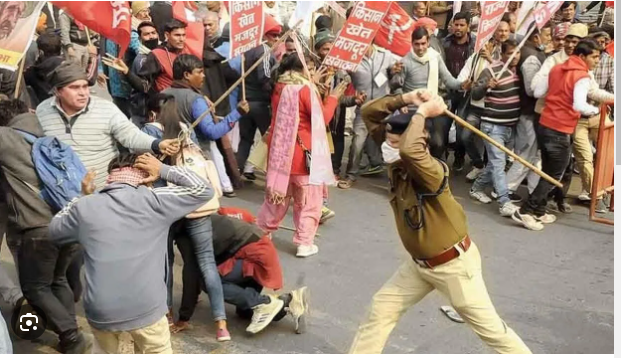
286 298
73 342
250 176
515 198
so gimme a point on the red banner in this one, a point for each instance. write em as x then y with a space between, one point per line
491 14
357 35
246 26
195 32
544 12
395 32
111 19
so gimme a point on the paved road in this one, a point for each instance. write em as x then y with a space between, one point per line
554 288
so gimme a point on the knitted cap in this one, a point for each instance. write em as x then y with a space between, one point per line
138 6
578 30
323 37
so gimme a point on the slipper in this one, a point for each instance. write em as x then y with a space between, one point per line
345 184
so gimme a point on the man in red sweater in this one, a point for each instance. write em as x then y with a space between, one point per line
565 103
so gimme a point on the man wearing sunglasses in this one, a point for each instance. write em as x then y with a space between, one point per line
432 226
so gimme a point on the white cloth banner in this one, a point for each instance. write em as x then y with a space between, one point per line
304 11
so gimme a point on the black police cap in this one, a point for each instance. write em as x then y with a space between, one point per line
398 122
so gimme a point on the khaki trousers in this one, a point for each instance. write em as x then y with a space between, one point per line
460 280
153 339
586 131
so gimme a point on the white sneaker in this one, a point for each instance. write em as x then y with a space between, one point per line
480 196
546 219
584 196
474 174
528 221
307 250
508 209
263 314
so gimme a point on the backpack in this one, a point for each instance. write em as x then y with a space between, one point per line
59 169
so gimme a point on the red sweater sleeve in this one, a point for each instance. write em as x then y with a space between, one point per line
327 107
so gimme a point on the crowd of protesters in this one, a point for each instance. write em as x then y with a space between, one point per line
140 199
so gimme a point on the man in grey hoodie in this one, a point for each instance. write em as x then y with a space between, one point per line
124 232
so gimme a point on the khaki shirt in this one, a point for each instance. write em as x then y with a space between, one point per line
441 218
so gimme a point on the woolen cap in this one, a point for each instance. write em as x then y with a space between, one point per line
323 37
66 73
138 6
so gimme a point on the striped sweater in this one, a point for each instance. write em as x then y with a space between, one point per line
502 104
93 133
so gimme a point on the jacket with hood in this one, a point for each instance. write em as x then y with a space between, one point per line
18 178
559 113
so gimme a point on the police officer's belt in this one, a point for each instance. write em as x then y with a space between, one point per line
454 252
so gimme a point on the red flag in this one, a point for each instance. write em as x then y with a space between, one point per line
544 12
111 19
194 33
491 15
357 35
395 32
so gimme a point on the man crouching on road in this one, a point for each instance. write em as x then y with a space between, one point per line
432 226
124 231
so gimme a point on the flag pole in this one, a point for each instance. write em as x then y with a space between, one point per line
527 164
20 75
88 36
243 75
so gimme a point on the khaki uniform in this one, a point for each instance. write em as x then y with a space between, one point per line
428 228
153 339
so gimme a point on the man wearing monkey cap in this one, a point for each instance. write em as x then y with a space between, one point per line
432 226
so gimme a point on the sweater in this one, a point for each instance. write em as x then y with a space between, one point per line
531 59
371 68
415 75
18 177
559 113
298 165
502 104
124 233
93 133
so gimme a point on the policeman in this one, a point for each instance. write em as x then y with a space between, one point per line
432 226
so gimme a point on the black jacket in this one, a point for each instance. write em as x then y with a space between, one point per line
18 178
258 83
528 103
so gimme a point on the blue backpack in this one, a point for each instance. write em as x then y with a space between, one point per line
59 169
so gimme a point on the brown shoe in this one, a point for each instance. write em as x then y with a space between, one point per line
345 184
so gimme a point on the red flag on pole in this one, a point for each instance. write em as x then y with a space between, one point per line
395 32
194 33
491 14
544 12
111 19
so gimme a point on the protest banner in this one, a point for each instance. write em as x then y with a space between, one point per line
19 21
395 32
357 34
246 26
491 14
110 19
544 12
337 8
525 17
195 31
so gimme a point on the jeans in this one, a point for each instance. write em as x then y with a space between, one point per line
43 276
527 148
473 143
494 172
555 154
438 129
361 142
260 116
201 234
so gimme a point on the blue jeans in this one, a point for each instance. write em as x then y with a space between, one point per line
494 172
201 234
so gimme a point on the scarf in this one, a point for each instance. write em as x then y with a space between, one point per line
433 58
127 175
283 140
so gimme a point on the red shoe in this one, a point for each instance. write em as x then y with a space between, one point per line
223 335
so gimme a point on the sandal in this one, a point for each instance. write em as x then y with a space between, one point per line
345 184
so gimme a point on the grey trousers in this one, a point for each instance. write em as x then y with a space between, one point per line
527 148
360 143
9 291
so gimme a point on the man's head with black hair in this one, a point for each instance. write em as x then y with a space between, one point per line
323 22
189 69
420 41
461 24
49 44
598 34
175 34
508 48
10 109
289 45
511 19
148 35
568 10
124 160
589 51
